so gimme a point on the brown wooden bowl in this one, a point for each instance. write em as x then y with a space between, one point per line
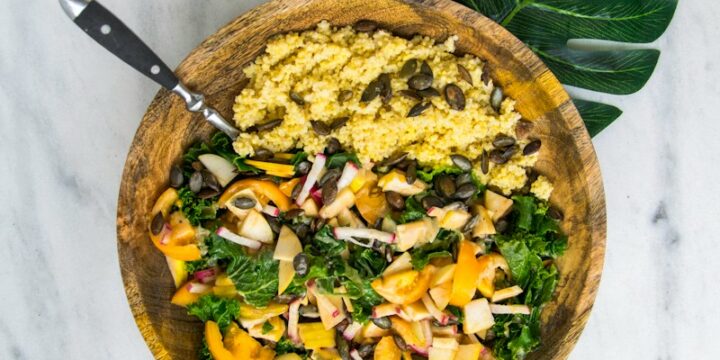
215 69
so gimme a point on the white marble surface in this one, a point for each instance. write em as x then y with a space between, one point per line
69 111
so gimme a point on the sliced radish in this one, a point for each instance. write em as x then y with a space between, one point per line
197 288
293 318
420 350
351 331
165 234
509 309
346 233
223 170
440 316
271 210
349 172
226 234
427 332
355 355
205 276
316 195
312 178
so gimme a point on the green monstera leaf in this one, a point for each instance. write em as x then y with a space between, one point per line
546 26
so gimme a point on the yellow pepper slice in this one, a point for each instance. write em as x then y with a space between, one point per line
466 275
214 340
260 187
281 170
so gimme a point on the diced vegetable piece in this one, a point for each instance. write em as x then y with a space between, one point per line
184 296
405 330
288 245
486 278
315 336
280 170
243 346
289 356
226 234
311 178
497 204
410 234
271 210
386 309
388 224
214 341
416 311
506 293
206 275
348 218
352 330
469 352
355 355
223 170
178 270
286 273
436 212
401 263
293 319
443 275
223 280
325 354
253 315
189 252
509 309
310 207
441 353
330 313
445 330
264 188
404 287
478 316
287 186
484 225
445 343
371 203
181 234
277 330
164 202
436 313
225 291
255 227
242 213
370 330
441 295
387 350
466 275
349 172
346 233
455 219
345 199
396 181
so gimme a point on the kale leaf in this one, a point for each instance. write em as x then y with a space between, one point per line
195 209
220 310
338 160
368 262
204 351
427 175
285 346
219 144
516 335
324 242
444 244
413 211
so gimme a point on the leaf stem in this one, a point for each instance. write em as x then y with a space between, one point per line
521 4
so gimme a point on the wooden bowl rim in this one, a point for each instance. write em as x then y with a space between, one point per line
596 203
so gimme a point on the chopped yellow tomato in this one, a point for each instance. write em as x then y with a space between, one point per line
326 354
370 202
405 330
183 296
253 313
214 341
178 270
181 234
281 170
260 187
287 186
404 287
165 202
276 332
188 252
486 277
466 275
315 336
243 346
387 350
225 291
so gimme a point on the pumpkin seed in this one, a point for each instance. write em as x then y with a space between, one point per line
244 202
382 322
296 191
371 91
303 167
418 109
330 175
496 98
320 127
345 95
497 157
365 350
300 263
329 192
274 223
465 74
400 342
461 162
465 191
485 76
209 180
394 159
395 200
343 347
339 122
176 177
157 223
196 182
409 68
411 173
420 81
501 226
429 92
197 165
463 178
426 69
455 97
269 125
302 230
523 128
410 94
555 213
296 98
333 146
431 201
365 26
532 147
293 213
262 154
484 162
510 151
445 185
386 88
503 141
471 223
208 193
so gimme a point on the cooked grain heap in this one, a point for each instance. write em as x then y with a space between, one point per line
321 75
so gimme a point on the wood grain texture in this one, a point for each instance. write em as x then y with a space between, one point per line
215 69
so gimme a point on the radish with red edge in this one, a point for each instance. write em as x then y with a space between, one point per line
205 276
312 178
316 195
197 288
293 319
165 234
346 233
228 235
348 175
271 210
440 316
351 330
355 355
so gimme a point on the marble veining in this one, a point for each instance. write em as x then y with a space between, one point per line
70 110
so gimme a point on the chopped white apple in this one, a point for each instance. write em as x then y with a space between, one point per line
310 207
223 170
178 270
401 263
352 330
286 273
388 224
436 212
396 181
484 226
436 313
477 316
469 351
345 199
455 219
288 245
450 330
330 313
441 295
441 354
386 309
506 293
348 233
416 311
226 234
442 275
256 227
497 204
293 319
509 309
348 218
370 330
242 213
445 343
409 234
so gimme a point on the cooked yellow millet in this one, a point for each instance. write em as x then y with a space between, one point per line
542 188
319 64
